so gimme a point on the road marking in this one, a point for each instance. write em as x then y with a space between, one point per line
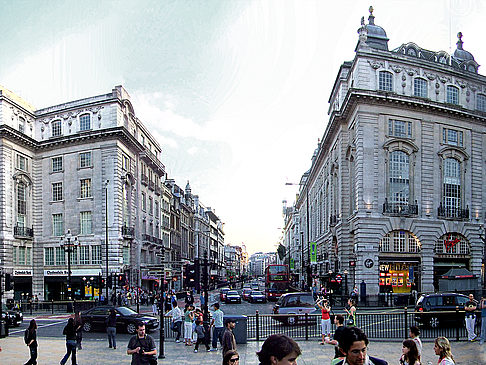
41 326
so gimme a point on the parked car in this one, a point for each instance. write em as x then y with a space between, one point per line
429 307
254 286
246 293
232 296
13 318
257 296
222 293
126 319
295 306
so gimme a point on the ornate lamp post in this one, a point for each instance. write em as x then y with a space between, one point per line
106 239
68 244
483 238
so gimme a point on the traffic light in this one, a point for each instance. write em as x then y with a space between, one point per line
122 280
101 282
9 284
190 275
109 282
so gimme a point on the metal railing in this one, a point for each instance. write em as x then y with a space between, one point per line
51 306
400 208
26 232
128 231
452 212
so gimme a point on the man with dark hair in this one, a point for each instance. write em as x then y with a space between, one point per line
279 349
353 344
470 308
229 342
217 323
141 346
339 322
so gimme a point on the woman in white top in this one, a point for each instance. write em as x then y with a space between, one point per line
442 348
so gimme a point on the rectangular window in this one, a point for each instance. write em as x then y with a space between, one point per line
57 225
452 137
85 188
452 94
144 202
126 255
84 255
60 256
57 191
28 255
14 254
21 125
21 256
22 163
420 88
156 209
84 122
56 128
96 254
56 164
125 163
74 255
151 206
85 159
481 102
399 128
49 256
385 81
86 223
21 203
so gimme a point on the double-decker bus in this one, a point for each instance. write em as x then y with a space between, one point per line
277 281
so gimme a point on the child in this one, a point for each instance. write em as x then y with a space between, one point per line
201 336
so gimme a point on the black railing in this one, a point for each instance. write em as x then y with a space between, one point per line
128 231
400 208
452 212
25 232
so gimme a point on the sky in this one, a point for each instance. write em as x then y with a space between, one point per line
235 91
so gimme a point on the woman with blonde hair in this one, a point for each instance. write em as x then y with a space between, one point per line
442 349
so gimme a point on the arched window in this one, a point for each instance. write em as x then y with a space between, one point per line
452 94
420 88
451 187
21 125
56 128
412 52
84 122
385 81
452 243
21 205
481 102
399 178
399 241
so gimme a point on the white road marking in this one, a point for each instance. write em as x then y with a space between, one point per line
41 326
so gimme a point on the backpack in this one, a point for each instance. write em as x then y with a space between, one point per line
26 336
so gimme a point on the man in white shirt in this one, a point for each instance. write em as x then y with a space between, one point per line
217 323
176 325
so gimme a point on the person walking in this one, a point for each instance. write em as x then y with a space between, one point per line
176 323
351 320
141 346
201 336
470 308
482 306
155 305
78 323
414 334
325 319
229 342
279 349
354 345
442 348
70 333
410 355
231 358
218 327
188 317
111 329
30 338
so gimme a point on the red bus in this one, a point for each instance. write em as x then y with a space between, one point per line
277 281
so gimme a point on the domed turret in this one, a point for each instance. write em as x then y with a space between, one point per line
460 53
371 34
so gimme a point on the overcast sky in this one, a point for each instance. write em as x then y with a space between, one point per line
234 91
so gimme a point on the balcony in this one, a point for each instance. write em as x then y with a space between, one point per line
144 179
128 232
402 209
158 190
151 185
453 212
23 232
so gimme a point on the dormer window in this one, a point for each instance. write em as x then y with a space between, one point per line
481 102
84 122
452 94
385 81
412 52
443 60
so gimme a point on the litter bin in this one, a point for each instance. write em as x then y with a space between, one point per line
3 329
240 330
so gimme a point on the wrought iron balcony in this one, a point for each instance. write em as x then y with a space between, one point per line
400 208
144 179
452 212
128 231
24 232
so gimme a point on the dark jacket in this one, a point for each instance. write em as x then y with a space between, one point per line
374 360
70 331
228 342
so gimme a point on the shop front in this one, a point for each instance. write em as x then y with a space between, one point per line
22 284
399 277
83 283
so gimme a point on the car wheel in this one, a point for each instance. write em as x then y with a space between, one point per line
87 327
292 320
434 322
131 328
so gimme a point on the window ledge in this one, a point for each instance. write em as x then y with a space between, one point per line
87 198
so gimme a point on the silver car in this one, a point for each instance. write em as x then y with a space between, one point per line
294 306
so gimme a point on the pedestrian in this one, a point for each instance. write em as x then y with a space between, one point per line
482 306
142 347
119 299
201 336
279 349
78 323
188 317
218 326
414 334
354 293
442 348
470 308
189 298
229 342
30 339
113 298
325 308
231 358
351 320
353 343
176 323
339 322
168 302
70 333
410 355
111 329
155 304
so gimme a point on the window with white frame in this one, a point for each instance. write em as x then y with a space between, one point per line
21 125
126 255
96 254
56 164
22 163
126 212
399 180
144 202
451 186
420 87
57 191
85 159
86 223
28 255
21 256
57 225
399 128
400 241
60 256
56 128
452 137
49 256
125 162
481 102
21 204
452 243
85 188
84 122
84 255
452 94
385 81
74 255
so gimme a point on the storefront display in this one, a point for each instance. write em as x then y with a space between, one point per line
397 277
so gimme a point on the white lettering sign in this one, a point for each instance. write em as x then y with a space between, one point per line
26 272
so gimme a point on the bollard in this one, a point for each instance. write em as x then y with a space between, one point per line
306 326
457 327
52 306
30 303
257 326
406 324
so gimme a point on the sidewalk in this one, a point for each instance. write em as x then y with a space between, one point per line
96 352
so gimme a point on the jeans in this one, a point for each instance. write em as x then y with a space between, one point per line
71 350
111 331
177 327
79 339
203 341
217 335
470 321
33 356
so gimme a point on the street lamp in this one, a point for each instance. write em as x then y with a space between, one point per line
483 238
106 237
68 243
345 272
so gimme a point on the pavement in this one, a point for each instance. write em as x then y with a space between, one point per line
96 352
